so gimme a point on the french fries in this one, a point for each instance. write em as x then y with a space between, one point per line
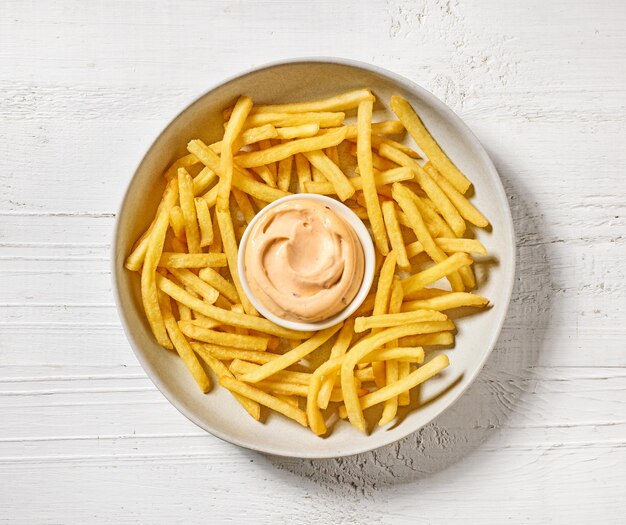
395 234
380 178
364 155
387 320
244 342
282 151
293 356
182 346
413 202
188 208
428 144
331 171
345 101
149 292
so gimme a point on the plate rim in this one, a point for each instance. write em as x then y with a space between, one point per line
508 229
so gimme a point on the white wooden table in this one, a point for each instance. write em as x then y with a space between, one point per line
86 437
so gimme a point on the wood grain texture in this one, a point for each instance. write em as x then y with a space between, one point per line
85 436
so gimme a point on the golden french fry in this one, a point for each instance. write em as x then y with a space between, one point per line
280 388
201 320
282 151
220 370
169 199
264 399
241 180
233 129
216 245
188 207
401 353
431 225
461 245
386 320
187 161
224 316
244 205
428 370
392 366
378 162
324 119
446 302
231 250
436 339
395 234
430 187
222 303
266 175
210 276
177 222
385 281
291 400
465 207
182 346
286 376
183 312
434 273
449 245
339 348
192 260
203 180
293 356
284 173
380 178
247 137
387 127
332 173
314 414
378 141
211 196
415 248
428 144
364 156
245 342
252 135
391 403
204 221
303 130
303 171
402 196
340 102
149 292
365 374
227 354
193 282
381 305
333 154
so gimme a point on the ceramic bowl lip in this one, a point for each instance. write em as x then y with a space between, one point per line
383 440
368 252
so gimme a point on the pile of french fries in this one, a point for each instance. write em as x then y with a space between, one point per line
412 201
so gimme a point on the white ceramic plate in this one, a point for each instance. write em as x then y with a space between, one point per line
218 412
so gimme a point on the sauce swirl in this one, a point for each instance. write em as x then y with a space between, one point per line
303 262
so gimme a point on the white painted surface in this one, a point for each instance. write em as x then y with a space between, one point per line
84 436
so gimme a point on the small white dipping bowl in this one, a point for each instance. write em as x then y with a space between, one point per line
368 252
